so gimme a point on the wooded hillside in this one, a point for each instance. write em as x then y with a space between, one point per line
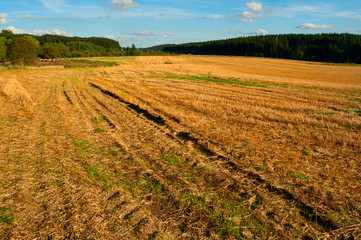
13 46
312 47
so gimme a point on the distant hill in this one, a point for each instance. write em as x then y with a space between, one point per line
337 48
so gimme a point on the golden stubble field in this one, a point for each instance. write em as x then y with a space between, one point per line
181 147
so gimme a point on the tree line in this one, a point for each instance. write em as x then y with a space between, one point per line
336 48
25 48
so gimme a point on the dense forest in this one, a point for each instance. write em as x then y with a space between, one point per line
25 48
338 48
343 48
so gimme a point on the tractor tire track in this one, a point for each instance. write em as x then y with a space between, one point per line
309 213
90 103
164 179
85 108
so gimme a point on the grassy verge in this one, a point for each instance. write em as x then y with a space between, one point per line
86 63
229 81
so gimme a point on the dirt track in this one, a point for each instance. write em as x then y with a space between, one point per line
181 147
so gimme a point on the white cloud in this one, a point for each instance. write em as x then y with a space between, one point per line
38 32
110 36
168 34
246 14
257 32
123 4
60 32
3 17
247 20
311 26
260 31
213 16
254 6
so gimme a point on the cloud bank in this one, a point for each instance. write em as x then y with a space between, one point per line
38 32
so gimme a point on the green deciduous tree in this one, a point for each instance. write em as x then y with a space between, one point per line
51 52
68 46
6 34
33 40
21 51
3 43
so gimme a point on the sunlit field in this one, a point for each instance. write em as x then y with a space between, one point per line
181 147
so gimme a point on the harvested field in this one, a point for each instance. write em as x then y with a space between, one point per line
181 147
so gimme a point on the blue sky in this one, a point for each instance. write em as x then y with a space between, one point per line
153 22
